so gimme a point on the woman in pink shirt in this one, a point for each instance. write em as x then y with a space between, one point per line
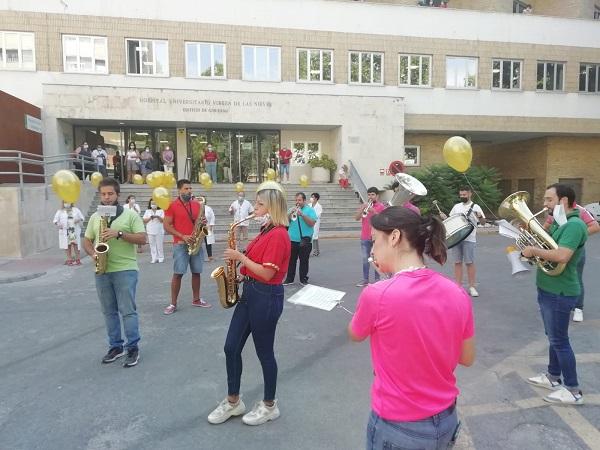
421 327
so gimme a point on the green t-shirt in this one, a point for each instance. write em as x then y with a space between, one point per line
571 235
121 254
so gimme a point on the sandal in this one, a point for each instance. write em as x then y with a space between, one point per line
170 310
201 303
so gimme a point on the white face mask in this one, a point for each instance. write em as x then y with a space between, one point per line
85 146
147 150
66 205
153 206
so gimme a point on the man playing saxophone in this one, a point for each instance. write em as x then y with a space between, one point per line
557 296
180 220
264 265
116 286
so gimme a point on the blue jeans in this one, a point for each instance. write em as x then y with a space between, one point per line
435 432
182 259
116 291
580 264
257 312
211 169
556 314
366 245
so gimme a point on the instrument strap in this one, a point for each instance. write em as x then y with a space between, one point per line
299 227
110 220
189 211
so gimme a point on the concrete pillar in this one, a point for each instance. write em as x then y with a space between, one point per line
181 152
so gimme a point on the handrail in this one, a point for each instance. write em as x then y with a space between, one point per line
21 158
357 182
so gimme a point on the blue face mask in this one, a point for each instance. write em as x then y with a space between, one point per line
186 197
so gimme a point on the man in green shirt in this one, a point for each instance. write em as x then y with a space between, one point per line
558 294
116 287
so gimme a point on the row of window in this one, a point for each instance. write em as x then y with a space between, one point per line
89 54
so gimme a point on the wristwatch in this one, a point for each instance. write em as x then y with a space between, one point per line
119 235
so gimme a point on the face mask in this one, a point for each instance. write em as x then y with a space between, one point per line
464 199
153 206
186 197
312 200
132 200
147 150
67 205
85 146
240 198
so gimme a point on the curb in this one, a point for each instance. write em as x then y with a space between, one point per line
17 278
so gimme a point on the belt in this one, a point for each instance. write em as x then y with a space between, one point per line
445 413
248 279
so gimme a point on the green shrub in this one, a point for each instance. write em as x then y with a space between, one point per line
324 161
443 183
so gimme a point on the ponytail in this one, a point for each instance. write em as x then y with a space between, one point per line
435 241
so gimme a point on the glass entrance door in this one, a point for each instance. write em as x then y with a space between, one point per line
244 157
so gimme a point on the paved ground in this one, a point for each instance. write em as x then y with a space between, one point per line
55 394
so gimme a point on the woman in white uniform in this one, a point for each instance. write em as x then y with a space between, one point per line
314 201
68 219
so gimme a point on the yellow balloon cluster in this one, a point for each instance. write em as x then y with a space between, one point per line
204 178
304 181
138 179
458 153
271 174
66 185
156 179
96 178
161 197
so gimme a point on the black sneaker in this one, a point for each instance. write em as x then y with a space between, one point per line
133 356
112 355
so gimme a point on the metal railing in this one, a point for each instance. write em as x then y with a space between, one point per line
357 182
80 164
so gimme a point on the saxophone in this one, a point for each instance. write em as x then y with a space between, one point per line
101 248
226 278
200 230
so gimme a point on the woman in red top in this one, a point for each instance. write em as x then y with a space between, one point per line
264 265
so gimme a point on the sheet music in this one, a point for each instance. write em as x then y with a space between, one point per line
317 297
507 230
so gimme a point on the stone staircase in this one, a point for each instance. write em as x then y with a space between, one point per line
337 220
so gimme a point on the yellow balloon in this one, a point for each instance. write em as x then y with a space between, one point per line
161 197
96 178
208 185
239 186
458 153
169 180
304 182
204 178
138 179
66 185
271 174
155 179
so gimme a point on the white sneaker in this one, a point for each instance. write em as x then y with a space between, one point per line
473 292
225 410
578 315
563 396
261 413
543 381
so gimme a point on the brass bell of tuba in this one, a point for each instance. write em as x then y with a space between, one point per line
532 233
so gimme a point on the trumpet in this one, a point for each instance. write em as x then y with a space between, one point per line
294 213
365 212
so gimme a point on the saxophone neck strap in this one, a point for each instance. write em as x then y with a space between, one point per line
110 220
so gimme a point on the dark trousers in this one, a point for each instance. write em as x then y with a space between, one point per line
208 248
302 253
257 312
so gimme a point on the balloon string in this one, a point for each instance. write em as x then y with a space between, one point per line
479 196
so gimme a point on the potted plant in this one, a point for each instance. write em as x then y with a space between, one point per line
322 168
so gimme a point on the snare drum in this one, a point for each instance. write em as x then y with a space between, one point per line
458 227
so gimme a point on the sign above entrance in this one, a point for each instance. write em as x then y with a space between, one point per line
207 105
33 124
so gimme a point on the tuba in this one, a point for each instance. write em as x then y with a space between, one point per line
532 233
200 230
407 187
226 278
101 248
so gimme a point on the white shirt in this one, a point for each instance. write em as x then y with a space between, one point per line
98 155
463 208
240 212
154 226
135 207
210 215
318 210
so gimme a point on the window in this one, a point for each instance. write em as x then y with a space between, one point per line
366 67
506 74
550 76
85 54
505 187
303 152
315 65
414 70
412 155
588 77
17 50
519 7
261 63
145 57
205 60
461 72
596 12
527 185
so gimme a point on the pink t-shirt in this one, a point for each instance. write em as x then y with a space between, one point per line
365 232
412 207
417 322
584 215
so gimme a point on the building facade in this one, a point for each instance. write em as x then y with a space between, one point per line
370 82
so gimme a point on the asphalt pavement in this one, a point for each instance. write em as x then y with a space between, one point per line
55 394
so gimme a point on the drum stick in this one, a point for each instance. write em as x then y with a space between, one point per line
435 202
